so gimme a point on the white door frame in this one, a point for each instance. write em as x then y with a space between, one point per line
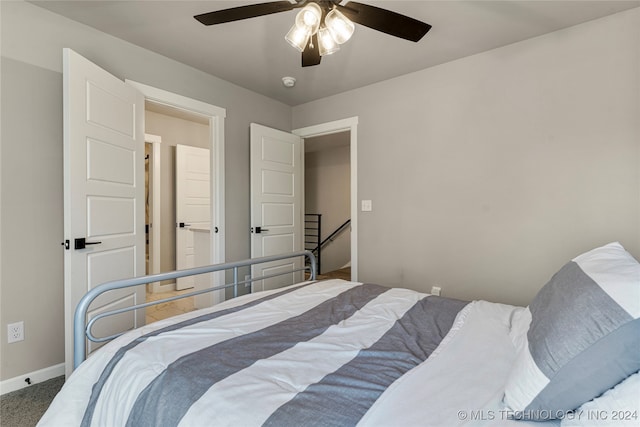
156 194
351 125
216 117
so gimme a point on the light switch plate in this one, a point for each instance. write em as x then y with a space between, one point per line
366 206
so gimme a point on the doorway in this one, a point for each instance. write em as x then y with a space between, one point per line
176 130
349 125
327 203
204 124
282 153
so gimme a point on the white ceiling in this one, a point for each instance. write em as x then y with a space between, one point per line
253 53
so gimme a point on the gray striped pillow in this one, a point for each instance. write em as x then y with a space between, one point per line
584 336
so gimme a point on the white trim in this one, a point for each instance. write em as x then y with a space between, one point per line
217 197
159 287
351 125
327 128
171 99
152 138
17 383
156 195
216 117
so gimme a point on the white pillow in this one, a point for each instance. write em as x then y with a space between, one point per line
520 322
617 407
583 337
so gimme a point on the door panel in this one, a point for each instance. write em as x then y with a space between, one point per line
276 202
276 282
278 244
106 266
192 205
278 214
103 190
109 110
110 216
110 163
276 183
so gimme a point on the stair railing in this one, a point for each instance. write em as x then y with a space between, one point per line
313 226
313 234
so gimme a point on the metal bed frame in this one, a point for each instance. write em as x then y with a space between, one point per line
82 328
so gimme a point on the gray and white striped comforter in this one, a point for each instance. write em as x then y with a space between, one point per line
315 354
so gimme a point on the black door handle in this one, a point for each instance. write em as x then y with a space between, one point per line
183 225
81 243
260 230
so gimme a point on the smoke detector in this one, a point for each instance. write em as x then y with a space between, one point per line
289 81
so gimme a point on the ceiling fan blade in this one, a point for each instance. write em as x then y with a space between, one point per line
311 54
388 22
244 12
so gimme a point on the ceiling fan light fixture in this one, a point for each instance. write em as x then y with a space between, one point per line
298 37
340 26
332 15
309 17
326 43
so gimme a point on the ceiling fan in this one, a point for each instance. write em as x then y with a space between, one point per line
323 25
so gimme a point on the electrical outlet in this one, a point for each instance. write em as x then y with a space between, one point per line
15 332
435 290
247 281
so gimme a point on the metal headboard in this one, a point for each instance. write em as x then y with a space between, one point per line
82 329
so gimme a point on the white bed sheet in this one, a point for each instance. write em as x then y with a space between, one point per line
462 382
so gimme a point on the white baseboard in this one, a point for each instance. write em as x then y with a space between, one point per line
157 287
35 377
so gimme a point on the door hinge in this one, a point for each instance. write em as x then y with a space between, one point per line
66 244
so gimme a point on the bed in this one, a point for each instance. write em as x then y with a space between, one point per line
339 353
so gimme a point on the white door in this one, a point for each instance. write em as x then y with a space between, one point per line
192 205
103 194
276 203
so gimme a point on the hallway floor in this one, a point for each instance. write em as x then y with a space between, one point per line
185 305
343 273
168 309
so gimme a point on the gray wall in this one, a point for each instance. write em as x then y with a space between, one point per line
488 173
31 276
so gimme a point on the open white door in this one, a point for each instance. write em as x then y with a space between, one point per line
277 215
103 194
192 206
